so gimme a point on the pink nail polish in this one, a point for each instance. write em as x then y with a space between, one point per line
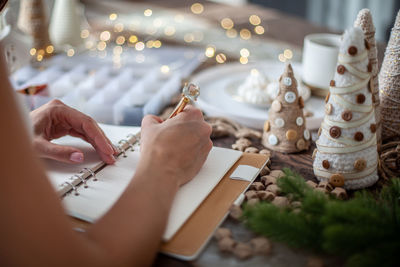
76 157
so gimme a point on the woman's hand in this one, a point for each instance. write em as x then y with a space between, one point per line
54 120
177 147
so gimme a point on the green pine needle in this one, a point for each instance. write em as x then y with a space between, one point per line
364 229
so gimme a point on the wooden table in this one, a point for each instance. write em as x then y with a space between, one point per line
282 27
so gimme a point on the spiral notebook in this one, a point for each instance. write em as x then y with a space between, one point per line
90 189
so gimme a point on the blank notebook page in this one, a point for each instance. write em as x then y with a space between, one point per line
98 198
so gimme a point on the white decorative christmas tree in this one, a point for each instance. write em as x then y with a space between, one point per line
285 130
364 21
389 85
346 154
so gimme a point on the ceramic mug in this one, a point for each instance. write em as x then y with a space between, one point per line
320 54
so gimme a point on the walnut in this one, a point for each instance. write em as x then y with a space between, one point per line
221 233
226 244
236 212
268 179
261 245
280 202
250 194
257 186
277 173
265 171
339 193
243 251
251 150
273 188
265 195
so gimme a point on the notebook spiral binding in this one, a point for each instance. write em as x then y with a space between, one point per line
85 174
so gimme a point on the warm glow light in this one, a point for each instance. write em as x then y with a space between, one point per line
39 57
227 23
84 33
157 44
70 52
120 40
119 27
197 8
49 49
40 52
210 51
243 60
117 50
220 58
179 18
164 69
245 34
255 20
113 16
281 58
149 43
105 36
101 45
259 29
288 53
189 37
244 52
148 12
254 72
231 33
133 39
32 51
169 30
139 46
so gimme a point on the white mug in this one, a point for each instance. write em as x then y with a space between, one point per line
320 55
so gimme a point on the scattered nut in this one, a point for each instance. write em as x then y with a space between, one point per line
307 113
240 147
280 202
315 262
268 179
236 212
273 188
311 184
257 186
250 194
226 244
248 133
244 141
326 186
251 150
339 193
265 195
261 245
265 152
243 251
277 173
222 232
265 171
253 201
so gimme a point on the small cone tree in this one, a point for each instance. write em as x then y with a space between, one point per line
389 84
285 130
346 153
33 20
364 21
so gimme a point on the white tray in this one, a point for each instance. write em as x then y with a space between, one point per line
215 101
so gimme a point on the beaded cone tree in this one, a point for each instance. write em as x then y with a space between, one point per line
389 85
285 129
364 21
346 153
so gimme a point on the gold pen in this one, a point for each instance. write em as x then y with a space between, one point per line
190 92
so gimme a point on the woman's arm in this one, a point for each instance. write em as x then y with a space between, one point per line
34 229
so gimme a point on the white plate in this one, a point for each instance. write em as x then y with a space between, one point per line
215 101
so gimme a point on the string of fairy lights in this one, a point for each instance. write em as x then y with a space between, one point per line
123 37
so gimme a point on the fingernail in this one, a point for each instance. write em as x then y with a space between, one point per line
76 157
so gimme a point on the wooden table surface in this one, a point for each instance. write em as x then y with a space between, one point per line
281 27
